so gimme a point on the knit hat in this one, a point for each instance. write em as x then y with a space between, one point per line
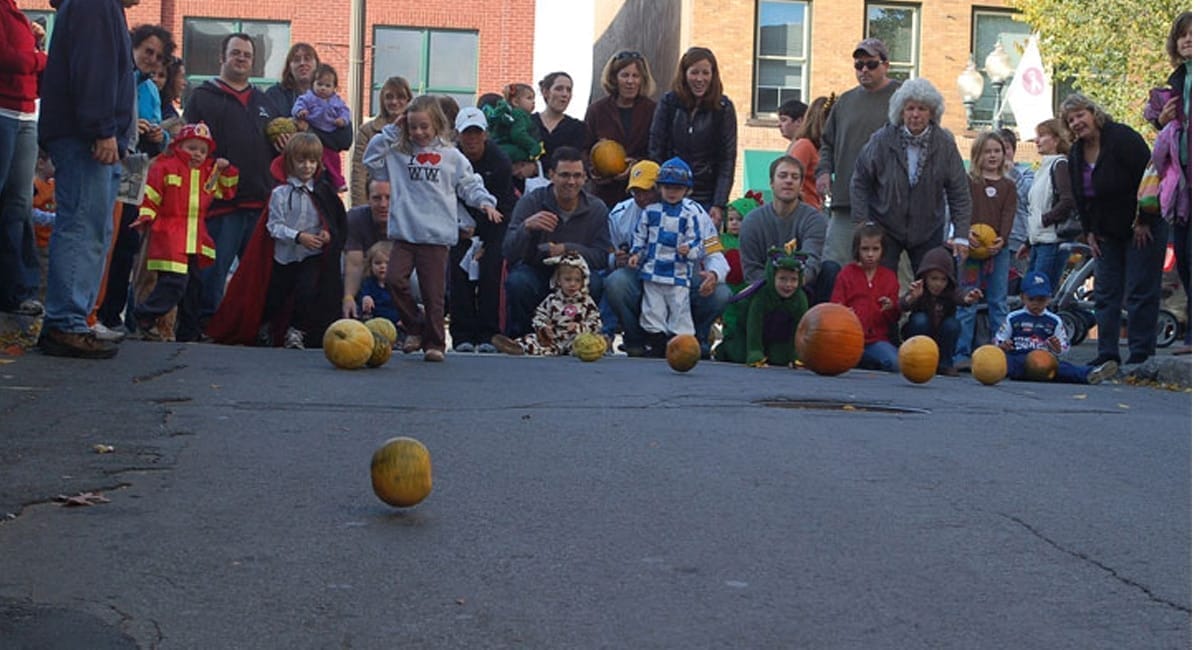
569 258
197 131
744 205
642 175
675 172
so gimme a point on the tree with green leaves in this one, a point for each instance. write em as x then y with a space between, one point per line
1114 51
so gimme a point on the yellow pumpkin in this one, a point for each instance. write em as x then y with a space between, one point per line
401 473
381 352
1041 365
608 157
384 327
989 364
829 339
987 236
279 126
589 346
683 352
919 359
348 344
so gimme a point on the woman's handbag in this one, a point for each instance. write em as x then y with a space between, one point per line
1147 196
1068 229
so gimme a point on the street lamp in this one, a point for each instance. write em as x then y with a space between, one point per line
998 71
970 87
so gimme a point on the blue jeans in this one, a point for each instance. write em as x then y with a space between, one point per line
85 192
19 274
946 335
1130 276
995 292
623 292
526 287
880 355
1048 259
230 232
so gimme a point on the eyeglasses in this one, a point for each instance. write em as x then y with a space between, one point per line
627 54
870 65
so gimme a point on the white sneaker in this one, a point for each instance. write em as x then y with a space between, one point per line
294 339
486 348
103 333
1102 372
465 348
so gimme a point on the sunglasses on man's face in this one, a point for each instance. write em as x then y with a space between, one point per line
870 65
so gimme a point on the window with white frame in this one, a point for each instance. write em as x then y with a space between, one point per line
988 27
899 27
202 39
782 54
441 61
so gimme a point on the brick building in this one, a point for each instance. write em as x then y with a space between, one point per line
770 51
462 48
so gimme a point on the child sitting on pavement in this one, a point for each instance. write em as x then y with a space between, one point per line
374 297
1033 328
872 292
932 304
564 314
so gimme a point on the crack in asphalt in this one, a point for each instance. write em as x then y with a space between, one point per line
1094 562
159 373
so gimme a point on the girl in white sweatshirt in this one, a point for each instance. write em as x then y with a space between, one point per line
428 176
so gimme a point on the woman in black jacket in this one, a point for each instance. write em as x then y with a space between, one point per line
1106 163
698 123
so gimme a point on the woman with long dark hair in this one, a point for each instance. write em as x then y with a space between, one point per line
695 121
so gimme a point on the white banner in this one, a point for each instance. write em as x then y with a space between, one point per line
1030 94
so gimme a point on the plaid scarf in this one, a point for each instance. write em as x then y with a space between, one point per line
921 142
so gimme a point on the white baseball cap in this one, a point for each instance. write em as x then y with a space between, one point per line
470 117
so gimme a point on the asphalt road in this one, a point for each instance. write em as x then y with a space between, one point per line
608 505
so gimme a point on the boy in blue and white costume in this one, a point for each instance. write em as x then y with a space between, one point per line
666 242
1033 328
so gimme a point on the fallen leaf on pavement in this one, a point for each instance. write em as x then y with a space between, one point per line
81 499
103 449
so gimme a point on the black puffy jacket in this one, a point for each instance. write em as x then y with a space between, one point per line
705 140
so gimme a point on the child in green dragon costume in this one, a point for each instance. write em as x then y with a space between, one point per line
765 332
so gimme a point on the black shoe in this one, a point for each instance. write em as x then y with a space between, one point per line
633 350
1135 359
656 345
948 371
1099 361
81 345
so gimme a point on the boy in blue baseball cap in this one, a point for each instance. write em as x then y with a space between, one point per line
666 242
1033 328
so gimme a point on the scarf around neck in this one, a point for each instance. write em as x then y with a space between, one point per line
921 142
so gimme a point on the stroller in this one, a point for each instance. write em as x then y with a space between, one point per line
1074 305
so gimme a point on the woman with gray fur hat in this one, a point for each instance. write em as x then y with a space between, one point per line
906 175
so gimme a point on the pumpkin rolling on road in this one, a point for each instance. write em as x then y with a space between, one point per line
683 352
384 327
348 344
401 473
989 364
589 346
918 359
829 339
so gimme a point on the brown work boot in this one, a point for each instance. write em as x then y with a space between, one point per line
83 345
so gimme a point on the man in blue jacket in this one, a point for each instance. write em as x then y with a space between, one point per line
87 125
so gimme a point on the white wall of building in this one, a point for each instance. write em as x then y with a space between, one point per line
563 33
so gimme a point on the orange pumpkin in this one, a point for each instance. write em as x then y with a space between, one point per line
829 339
608 157
401 473
348 344
986 236
919 359
683 352
1040 365
989 364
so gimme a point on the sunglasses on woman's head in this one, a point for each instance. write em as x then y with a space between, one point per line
628 54
870 65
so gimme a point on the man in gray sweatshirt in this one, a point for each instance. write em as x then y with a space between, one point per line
857 114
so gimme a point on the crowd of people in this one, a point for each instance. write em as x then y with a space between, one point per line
218 212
